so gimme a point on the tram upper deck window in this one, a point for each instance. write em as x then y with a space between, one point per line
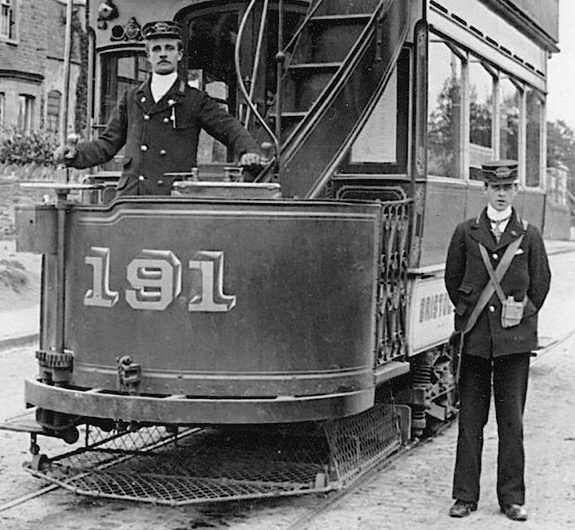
444 119
480 118
509 116
534 116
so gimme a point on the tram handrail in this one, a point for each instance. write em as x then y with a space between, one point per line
257 57
280 57
242 85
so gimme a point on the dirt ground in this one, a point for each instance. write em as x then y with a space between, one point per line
414 492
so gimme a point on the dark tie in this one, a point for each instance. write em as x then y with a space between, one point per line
496 227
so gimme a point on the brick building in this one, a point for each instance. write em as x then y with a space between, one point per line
32 34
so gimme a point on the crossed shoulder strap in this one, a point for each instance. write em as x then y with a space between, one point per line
498 275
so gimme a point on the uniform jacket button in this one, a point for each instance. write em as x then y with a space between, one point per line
143 100
166 120
146 117
143 147
141 177
162 152
495 256
492 308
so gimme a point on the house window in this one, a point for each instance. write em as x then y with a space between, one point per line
8 19
53 111
25 112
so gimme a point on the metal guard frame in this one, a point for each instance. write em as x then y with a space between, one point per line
181 410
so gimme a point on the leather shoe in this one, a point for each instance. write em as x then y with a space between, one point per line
462 508
515 512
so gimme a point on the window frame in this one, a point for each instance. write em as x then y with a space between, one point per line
26 102
53 101
2 108
9 16
403 125
523 87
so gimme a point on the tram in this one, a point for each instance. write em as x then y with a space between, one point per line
305 294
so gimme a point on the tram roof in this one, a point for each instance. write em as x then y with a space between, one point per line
537 18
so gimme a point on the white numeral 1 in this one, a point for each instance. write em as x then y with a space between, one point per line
100 294
210 296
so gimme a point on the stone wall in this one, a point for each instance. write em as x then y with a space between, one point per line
12 193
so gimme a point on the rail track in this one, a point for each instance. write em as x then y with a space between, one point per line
321 503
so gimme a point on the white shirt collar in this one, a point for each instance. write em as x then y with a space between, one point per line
495 215
161 84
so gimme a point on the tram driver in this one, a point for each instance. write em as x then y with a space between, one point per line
159 123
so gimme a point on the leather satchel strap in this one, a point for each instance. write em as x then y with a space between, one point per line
492 277
493 284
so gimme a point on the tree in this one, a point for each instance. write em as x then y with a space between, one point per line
443 129
561 149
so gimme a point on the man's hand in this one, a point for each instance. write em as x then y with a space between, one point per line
62 154
67 151
250 160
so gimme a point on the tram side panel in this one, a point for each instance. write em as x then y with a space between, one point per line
252 301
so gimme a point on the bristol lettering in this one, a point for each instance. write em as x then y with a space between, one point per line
434 306
154 279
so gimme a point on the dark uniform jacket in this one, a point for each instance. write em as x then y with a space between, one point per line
466 276
161 137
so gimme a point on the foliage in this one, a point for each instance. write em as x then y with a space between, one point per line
442 128
20 147
561 148
13 275
481 119
560 145
82 82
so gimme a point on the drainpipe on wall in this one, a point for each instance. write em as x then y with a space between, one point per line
67 54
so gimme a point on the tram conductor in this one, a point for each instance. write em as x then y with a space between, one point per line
497 276
159 123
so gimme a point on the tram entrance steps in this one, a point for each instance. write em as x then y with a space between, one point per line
155 465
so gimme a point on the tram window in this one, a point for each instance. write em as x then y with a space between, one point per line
509 116
210 63
210 50
444 119
381 146
480 118
377 141
120 71
534 105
